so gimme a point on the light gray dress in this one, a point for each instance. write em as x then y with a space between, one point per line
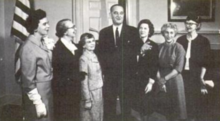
91 89
171 57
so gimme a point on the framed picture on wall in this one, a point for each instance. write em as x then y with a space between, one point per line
178 9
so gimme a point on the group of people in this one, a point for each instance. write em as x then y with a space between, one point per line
72 82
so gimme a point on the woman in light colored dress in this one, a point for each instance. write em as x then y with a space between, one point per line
91 107
171 92
36 70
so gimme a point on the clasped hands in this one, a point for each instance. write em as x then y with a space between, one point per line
161 82
203 88
145 47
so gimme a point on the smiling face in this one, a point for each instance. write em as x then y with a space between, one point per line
89 44
144 30
117 15
43 27
169 34
191 26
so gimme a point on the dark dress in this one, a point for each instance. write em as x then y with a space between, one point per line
147 68
65 84
200 55
173 104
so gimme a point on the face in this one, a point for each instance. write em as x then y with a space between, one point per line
144 30
71 31
191 26
117 15
89 44
43 27
169 35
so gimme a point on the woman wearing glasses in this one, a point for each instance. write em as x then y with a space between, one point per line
197 56
66 86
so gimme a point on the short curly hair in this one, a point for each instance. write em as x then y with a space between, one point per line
169 25
33 20
149 23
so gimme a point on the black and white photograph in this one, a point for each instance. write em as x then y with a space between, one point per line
109 60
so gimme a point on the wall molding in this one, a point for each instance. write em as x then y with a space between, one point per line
205 32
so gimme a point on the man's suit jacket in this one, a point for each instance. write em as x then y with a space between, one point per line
120 60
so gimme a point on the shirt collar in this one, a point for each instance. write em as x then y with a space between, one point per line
69 45
37 40
91 56
119 28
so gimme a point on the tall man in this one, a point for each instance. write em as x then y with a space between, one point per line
117 49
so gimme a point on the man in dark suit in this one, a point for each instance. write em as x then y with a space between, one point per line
117 48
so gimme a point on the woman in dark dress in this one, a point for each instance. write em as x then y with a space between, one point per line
146 70
66 86
197 57
171 92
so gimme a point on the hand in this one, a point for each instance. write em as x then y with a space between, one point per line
202 82
163 88
88 105
148 88
161 81
41 110
145 47
204 91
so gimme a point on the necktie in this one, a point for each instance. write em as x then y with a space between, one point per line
117 37
188 54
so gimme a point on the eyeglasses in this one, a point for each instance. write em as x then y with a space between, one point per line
73 27
190 24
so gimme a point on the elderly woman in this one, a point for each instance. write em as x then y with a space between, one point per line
170 81
91 85
36 70
66 86
146 70
197 49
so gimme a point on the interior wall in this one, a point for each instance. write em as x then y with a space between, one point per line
56 10
156 11
2 35
9 47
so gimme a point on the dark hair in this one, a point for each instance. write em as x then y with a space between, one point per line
111 9
33 19
149 23
192 16
61 27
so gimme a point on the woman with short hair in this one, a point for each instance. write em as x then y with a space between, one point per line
66 85
36 70
171 94
147 67
197 57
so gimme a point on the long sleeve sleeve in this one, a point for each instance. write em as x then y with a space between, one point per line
28 68
84 83
180 55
